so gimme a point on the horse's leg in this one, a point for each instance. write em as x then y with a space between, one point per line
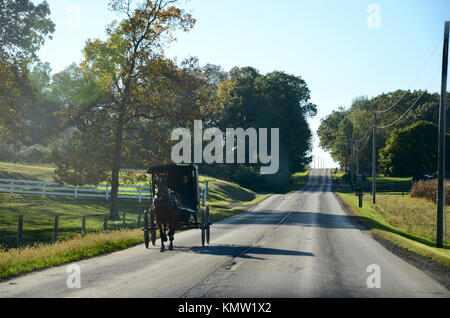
171 235
173 226
162 234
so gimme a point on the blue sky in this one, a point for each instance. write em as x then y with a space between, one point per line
333 45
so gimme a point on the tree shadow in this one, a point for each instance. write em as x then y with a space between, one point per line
306 219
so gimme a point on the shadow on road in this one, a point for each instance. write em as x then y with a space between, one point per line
236 250
307 219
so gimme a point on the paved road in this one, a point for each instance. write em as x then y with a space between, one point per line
296 245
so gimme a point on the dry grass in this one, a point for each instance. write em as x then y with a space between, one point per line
16 261
416 216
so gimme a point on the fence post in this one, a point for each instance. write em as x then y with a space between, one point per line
12 187
105 222
123 220
107 188
360 196
140 194
43 189
55 229
76 192
19 231
83 225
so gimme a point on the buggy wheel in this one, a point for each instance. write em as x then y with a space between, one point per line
203 227
146 230
207 225
153 227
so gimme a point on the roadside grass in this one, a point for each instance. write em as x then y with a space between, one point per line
17 261
405 221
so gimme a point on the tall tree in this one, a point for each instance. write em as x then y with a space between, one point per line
122 79
275 100
24 28
412 151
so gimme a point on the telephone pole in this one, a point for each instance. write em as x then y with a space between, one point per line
352 165
441 140
357 170
374 159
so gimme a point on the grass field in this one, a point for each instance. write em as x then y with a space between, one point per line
385 179
408 222
25 172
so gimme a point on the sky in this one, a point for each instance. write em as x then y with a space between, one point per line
342 49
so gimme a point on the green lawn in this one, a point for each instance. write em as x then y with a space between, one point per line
25 172
408 222
385 179
338 177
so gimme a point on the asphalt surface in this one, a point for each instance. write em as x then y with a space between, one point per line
296 245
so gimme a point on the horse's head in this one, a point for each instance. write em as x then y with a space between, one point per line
161 188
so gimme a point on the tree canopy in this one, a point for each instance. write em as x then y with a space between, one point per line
24 28
412 151
389 107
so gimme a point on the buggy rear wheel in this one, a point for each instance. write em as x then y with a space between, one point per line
203 227
207 224
153 227
146 230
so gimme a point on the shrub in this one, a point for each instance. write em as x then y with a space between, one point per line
8 153
34 154
427 189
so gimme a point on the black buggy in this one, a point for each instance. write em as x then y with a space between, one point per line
183 179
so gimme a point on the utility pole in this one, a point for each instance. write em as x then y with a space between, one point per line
441 140
374 159
357 170
352 165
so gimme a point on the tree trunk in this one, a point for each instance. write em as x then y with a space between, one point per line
114 208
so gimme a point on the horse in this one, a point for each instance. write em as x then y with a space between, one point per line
166 208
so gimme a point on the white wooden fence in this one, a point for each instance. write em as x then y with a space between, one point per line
45 188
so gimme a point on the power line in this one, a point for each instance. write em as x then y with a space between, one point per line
408 110
364 138
366 143
404 94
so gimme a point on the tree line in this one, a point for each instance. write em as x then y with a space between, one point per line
404 149
117 108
